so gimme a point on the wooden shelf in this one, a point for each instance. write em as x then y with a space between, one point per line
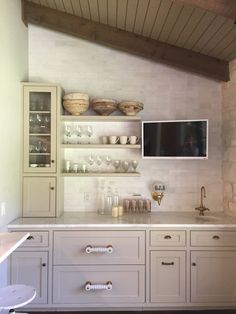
107 146
39 154
102 174
101 118
39 134
38 111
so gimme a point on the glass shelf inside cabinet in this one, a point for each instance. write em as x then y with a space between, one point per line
39 129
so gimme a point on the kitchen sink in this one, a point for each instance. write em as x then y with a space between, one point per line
208 218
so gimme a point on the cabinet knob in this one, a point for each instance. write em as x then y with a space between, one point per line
52 188
52 161
167 237
30 237
193 264
216 237
44 264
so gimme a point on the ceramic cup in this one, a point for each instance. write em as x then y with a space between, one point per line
133 139
104 139
123 139
113 139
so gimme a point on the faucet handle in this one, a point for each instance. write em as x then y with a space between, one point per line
201 210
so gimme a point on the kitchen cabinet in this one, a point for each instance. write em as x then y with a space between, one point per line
167 274
213 274
111 262
40 183
29 264
39 196
40 109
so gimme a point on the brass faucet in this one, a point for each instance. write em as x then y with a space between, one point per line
202 208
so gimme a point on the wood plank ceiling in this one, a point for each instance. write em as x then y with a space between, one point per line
168 21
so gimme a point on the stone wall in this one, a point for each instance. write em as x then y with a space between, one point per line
229 141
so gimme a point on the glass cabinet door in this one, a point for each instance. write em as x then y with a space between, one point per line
39 129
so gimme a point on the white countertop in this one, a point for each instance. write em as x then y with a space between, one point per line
9 242
159 219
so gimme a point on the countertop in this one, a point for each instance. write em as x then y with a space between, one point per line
9 242
157 219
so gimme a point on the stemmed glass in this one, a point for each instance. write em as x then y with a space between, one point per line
99 161
125 165
68 132
134 164
108 160
89 132
116 164
78 132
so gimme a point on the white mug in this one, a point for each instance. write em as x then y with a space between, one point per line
113 139
104 139
123 139
133 139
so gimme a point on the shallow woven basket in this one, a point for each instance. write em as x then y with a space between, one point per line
76 106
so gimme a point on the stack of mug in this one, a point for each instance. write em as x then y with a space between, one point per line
123 139
137 205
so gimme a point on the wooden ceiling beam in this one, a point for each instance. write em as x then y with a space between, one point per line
125 41
226 8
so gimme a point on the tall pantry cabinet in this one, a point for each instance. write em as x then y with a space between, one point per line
40 180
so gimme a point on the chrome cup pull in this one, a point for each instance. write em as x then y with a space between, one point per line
89 286
107 249
216 237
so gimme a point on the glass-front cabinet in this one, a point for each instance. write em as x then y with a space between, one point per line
40 103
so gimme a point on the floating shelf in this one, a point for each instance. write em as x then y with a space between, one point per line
102 174
101 118
107 146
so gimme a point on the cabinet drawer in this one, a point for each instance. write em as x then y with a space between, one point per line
36 239
127 284
90 247
167 238
213 238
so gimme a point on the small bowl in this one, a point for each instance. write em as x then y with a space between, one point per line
130 108
104 107
74 96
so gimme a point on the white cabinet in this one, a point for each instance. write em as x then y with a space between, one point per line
40 109
213 272
167 276
29 264
31 268
39 196
99 258
167 271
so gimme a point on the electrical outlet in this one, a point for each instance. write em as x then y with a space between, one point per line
86 196
3 209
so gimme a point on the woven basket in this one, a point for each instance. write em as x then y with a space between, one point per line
76 106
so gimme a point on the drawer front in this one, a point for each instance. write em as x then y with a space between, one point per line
167 238
213 238
99 247
98 284
36 239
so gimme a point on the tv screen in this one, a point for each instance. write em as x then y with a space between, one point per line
175 139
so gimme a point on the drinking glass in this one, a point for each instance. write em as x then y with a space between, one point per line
68 133
125 165
89 132
116 164
134 164
78 132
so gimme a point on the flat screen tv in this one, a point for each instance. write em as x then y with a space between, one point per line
182 139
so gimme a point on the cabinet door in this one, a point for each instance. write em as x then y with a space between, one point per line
40 103
213 277
167 276
39 196
31 268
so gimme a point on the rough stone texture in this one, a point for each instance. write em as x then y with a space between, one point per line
167 93
229 141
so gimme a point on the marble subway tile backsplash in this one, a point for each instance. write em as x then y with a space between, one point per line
167 93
